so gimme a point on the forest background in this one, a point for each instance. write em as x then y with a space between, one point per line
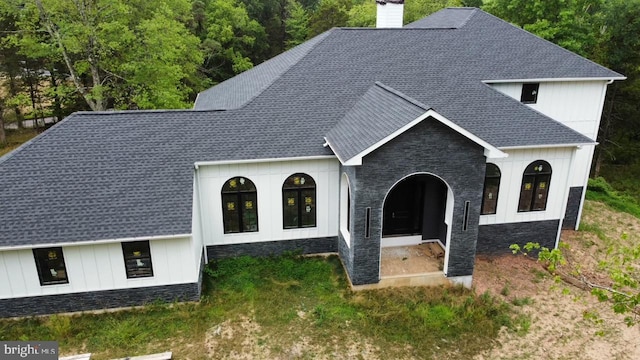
62 56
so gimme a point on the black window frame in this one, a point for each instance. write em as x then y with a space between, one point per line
297 189
536 179
529 94
132 260
490 176
46 258
236 191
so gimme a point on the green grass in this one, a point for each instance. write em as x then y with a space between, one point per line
15 138
288 298
600 190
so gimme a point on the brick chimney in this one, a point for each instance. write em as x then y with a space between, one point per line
389 14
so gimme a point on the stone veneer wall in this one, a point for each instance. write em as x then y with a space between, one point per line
429 147
496 239
573 208
267 248
95 300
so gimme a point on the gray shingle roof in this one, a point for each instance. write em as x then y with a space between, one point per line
454 18
128 174
379 113
239 90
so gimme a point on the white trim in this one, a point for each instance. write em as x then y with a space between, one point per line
199 199
395 241
89 242
567 191
490 150
250 161
550 146
553 80
448 218
326 141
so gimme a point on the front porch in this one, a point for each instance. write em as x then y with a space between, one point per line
414 265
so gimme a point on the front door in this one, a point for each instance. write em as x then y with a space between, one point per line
415 209
403 209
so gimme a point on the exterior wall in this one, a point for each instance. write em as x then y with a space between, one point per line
496 239
512 168
97 267
419 150
269 248
268 178
577 104
196 227
93 300
573 207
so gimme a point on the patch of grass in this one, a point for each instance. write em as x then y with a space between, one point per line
15 138
287 298
593 228
599 190
522 301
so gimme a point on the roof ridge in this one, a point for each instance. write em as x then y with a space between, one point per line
142 111
402 95
313 47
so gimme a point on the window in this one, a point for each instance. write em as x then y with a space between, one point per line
490 192
535 187
299 201
529 93
239 206
137 259
50 265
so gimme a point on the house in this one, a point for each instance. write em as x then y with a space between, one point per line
459 129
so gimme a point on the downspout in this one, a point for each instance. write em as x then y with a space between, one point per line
567 189
206 257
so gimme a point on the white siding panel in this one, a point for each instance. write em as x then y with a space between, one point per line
268 178
96 267
576 104
512 169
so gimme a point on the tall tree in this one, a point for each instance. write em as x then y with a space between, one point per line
328 14
296 24
114 47
229 39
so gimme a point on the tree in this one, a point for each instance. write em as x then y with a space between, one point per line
329 14
296 24
619 264
229 39
113 47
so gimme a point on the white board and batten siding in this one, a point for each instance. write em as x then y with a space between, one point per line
268 178
512 169
96 267
576 104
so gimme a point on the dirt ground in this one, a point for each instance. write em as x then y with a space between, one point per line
566 322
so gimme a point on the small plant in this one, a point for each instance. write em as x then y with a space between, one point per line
505 290
59 326
522 301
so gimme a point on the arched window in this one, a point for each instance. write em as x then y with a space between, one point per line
239 205
535 186
299 202
491 188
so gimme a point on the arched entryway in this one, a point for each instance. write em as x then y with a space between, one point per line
416 218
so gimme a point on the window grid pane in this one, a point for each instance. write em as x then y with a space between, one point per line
290 206
541 192
526 193
308 208
230 209
249 204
